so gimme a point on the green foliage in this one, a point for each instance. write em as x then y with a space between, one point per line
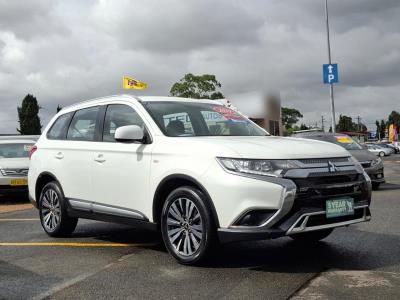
28 114
290 116
296 128
394 118
346 124
380 129
198 87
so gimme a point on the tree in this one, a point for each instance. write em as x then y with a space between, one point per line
345 124
198 87
290 116
28 114
382 129
59 107
394 118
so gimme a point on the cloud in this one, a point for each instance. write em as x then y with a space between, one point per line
67 51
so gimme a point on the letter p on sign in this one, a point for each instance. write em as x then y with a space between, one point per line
330 73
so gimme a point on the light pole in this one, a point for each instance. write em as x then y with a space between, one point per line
330 62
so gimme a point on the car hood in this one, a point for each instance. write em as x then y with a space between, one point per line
14 163
362 155
268 147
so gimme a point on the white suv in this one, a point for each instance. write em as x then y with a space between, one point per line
196 170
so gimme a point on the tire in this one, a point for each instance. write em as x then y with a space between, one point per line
381 154
312 236
375 185
187 226
53 211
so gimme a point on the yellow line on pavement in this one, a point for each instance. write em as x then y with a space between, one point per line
49 244
9 220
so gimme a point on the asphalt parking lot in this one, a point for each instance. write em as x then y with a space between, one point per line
104 260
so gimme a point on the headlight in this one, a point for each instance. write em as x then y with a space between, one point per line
256 166
376 161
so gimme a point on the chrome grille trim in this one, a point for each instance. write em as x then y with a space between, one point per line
14 172
317 161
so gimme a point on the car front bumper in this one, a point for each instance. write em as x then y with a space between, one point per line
307 208
7 188
376 173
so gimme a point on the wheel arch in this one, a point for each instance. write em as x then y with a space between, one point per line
172 182
43 179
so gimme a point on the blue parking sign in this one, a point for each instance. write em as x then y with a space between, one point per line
330 73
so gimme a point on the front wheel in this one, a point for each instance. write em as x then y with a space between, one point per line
53 212
312 236
381 154
187 226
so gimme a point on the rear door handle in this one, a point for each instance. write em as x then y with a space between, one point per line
59 155
100 158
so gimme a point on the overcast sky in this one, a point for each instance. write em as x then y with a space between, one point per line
67 51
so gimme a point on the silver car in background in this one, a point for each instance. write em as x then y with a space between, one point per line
379 150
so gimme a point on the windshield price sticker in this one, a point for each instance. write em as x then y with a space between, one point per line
229 114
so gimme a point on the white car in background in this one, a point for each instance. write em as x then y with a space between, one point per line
14 165
379 151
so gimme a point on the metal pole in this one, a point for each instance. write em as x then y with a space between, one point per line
330 61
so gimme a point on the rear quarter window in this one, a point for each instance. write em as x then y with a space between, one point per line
58 130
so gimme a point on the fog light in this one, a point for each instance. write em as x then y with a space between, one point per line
255 217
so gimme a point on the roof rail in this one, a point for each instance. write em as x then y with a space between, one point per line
99 98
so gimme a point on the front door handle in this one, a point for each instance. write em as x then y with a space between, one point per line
100 158
59 155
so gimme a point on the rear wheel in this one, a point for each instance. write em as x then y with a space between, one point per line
187 226
312 236
53 212
381 154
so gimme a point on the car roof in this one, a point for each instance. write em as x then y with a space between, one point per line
133 98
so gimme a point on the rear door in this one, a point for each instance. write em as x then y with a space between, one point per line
75 157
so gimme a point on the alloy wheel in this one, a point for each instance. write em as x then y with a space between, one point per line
184 226
51 210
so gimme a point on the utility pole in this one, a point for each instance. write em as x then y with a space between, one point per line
330 62
358 123
322 122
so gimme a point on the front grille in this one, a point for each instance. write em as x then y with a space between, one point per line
315 161
14 172
314 191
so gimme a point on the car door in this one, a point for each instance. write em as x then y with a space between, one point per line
121 171
76 155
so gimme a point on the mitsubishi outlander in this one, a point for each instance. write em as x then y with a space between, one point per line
195 170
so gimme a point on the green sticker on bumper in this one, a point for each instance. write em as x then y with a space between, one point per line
339 207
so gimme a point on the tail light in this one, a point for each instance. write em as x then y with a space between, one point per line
33 150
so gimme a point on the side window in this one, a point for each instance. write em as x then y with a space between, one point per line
59 128
83 125
118 115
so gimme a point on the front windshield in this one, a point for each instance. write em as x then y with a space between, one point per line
179 119
347 142
15 150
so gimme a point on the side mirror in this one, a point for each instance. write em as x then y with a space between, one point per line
129 133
